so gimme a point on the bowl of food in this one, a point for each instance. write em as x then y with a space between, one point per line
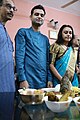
58 103
77 102
31 96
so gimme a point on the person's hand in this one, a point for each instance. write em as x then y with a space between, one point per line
49 85
24 84
78 71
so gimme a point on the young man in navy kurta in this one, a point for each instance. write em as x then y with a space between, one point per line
32 52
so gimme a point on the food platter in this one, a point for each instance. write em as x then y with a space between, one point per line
37 96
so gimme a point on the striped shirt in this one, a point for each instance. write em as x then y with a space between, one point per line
6 62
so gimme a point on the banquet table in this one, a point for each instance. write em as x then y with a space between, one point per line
41 112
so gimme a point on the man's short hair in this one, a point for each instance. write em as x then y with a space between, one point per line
38 7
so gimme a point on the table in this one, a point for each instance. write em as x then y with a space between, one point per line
41 112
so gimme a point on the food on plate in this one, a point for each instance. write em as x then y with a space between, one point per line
55 97
58 106
52 96
65 96
75 92
38 91
31 91
76 89
31 96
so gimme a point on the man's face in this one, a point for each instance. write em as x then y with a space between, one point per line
7 10
38 17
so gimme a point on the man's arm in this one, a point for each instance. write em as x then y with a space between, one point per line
20 54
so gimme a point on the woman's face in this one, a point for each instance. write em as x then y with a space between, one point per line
67 34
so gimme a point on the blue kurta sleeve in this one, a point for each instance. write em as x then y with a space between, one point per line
20 54
48 64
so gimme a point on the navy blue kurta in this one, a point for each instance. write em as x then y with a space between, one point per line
32 60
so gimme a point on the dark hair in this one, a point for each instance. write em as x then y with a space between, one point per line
60 38
1 2
38 7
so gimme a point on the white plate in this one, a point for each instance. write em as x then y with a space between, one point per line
48 89
76 102
45 98
76 99
56 89
57 106
22 91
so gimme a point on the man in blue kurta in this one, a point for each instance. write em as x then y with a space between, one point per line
7 82
32 53
6 48
6 62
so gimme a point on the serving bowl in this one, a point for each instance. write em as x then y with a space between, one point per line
31 96
77 102
58 106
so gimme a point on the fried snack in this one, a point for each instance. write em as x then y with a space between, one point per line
72 94
65 96
75 89
52 96
38 92
49 93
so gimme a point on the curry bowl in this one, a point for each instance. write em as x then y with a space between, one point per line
31 96
57 107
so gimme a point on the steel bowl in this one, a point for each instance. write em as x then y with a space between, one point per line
31 96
